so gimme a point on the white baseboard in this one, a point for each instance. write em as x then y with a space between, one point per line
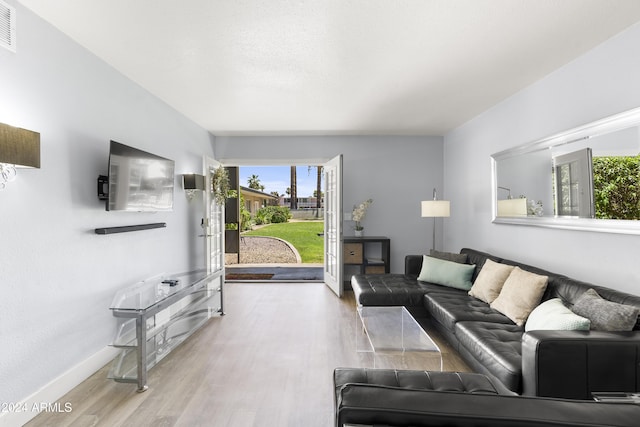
46 398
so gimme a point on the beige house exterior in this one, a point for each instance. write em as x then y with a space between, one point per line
255 199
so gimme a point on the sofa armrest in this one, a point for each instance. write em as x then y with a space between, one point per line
573 364
390 406
412 265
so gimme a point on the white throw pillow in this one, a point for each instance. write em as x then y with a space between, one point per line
555 316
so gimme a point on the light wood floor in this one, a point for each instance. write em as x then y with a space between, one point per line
267 362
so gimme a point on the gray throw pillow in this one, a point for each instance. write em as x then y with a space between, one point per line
605 315
449 256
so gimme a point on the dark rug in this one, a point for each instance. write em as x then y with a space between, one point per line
248 276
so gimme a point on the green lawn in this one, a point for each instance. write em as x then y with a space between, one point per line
302 235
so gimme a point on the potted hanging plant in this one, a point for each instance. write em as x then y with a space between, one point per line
220 185
358 214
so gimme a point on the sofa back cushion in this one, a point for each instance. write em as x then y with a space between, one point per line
558 285
449 256
478 258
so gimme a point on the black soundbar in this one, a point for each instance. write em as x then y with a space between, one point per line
127 228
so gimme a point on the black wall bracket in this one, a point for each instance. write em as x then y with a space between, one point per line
127 228
103 187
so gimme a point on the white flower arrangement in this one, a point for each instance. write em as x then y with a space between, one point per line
359 212
535 208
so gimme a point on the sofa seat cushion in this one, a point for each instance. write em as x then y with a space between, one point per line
387 290
449 306
496 346
418 380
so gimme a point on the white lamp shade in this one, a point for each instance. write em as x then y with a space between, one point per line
512 207
435 208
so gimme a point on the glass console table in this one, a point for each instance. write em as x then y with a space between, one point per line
395 338
156 315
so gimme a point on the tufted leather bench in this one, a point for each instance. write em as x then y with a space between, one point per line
386 397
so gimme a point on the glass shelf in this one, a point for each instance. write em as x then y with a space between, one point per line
126 331
150 292
168 337
158 314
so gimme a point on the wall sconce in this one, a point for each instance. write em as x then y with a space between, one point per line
192 183
18 148
435 209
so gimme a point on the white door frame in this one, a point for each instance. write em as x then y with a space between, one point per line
213 229
336 283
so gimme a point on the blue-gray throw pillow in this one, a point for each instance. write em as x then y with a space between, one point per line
446 273
605 315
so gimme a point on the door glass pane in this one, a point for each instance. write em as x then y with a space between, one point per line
574 184
215 232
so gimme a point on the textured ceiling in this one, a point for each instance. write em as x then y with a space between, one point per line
265 67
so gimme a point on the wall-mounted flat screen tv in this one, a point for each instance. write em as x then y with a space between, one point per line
139 181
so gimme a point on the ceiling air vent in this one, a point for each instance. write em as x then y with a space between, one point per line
7 26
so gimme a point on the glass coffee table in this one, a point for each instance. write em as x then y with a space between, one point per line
393 339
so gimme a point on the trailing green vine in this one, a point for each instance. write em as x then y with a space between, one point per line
221 185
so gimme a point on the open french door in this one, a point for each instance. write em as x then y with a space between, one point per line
213 227
333 225
574 184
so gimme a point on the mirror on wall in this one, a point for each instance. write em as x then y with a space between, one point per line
587 178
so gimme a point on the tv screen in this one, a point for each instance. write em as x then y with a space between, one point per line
139 181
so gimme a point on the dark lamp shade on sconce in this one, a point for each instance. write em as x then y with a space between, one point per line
193 181
19 147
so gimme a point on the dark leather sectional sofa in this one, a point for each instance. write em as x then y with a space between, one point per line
560 364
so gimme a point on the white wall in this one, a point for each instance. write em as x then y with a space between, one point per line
397 172
600 83
57 276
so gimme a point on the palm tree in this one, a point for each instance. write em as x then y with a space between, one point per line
318 192
319 188
254 182
294 189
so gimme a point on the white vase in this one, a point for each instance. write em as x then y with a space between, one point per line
359 233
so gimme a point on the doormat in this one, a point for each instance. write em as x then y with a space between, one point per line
248 276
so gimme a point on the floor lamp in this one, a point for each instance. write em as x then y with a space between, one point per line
435 209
